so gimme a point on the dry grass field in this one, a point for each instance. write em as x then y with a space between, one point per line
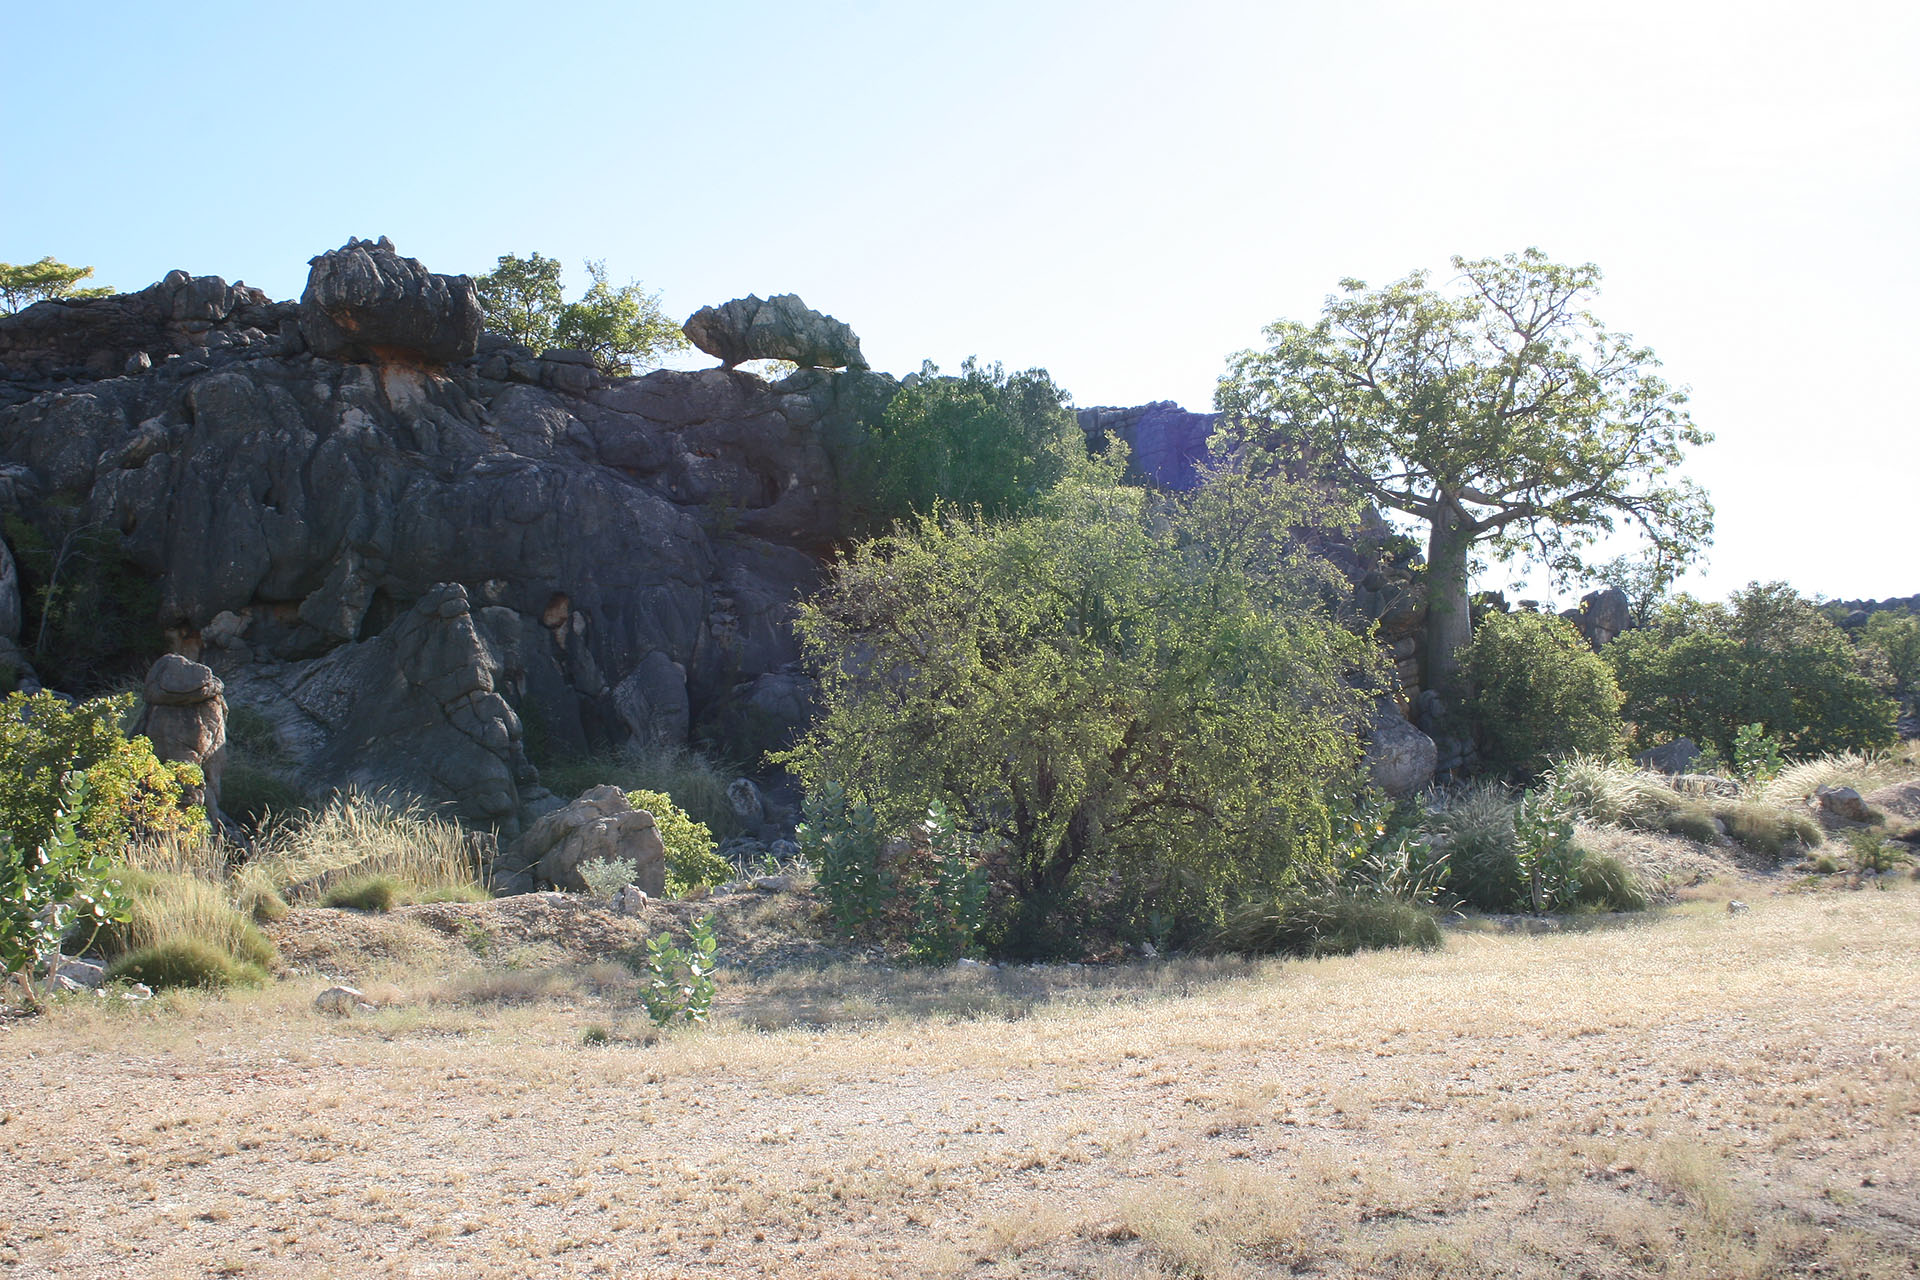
1693 1093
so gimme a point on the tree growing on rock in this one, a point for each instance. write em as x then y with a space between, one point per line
1501 413
621 327
22 286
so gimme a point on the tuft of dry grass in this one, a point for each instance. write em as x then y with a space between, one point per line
356 837
1798 783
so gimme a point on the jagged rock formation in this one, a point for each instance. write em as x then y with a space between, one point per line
779 328
186 719
410 569
1601 615
365 300
1167 444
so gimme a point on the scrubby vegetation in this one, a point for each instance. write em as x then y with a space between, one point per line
1540 692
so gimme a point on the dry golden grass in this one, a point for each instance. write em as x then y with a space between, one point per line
1698 1094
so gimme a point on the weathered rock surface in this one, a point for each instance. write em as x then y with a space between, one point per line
186 719
1674 757
341 1001
1400 758
601 824
1167 445
1602 615
364 301
1845 803
630 553
778 328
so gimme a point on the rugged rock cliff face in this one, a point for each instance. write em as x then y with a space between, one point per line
403 543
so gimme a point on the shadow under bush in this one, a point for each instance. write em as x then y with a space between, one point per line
1326 924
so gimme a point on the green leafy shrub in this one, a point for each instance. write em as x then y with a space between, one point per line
1539 691
692 862
1768 657
940 883
606 877
840 840
1548 856
1767 830
1327 924
55 885
1604 883
1483 853
678 981
363 893
45 743
985 438
1872 853
1756 755
185 962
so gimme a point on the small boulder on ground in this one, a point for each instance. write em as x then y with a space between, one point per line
1400 757
1844 803
342 1001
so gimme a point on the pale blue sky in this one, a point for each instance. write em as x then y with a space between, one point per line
1122 193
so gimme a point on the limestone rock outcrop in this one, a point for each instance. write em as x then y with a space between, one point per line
778 328
364 300
185 718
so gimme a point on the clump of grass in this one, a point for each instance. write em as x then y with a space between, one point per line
1606 791
185 962
697 783
1327 924
1607 885
596 1035
1767 830
363 893
353 837
1872 853
165 908
1476 832
1825 864
256 896
1800 781
1693 821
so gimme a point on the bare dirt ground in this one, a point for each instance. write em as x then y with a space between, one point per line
1690 1093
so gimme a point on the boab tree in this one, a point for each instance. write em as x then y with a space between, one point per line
1500 412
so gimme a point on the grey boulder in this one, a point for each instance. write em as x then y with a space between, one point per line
601 824
778 328
365 301
1400 758
186 720
1674 757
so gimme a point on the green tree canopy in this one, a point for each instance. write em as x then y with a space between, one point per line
1539 692
1116 687
622 326
1500 412
22 286
1768 656
986 438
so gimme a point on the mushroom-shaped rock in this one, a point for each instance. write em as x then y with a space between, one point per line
186 719
364 300
778 328
601 824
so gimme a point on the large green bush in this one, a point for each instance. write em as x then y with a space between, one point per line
692 862
1539 692
1767 657
986 438
1122 690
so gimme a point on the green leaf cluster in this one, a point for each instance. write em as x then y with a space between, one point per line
691 859
1768 656
1896 636
1538 691
48 886
986 438
678 981
621 326
1121 689
22 285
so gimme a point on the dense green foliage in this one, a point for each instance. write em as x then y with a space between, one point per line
1538 691
1897 637
986 438
1122 690
47 742
1767 657
692 862
22 285
50 885
678 981
622 327
1321 924
1502 415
